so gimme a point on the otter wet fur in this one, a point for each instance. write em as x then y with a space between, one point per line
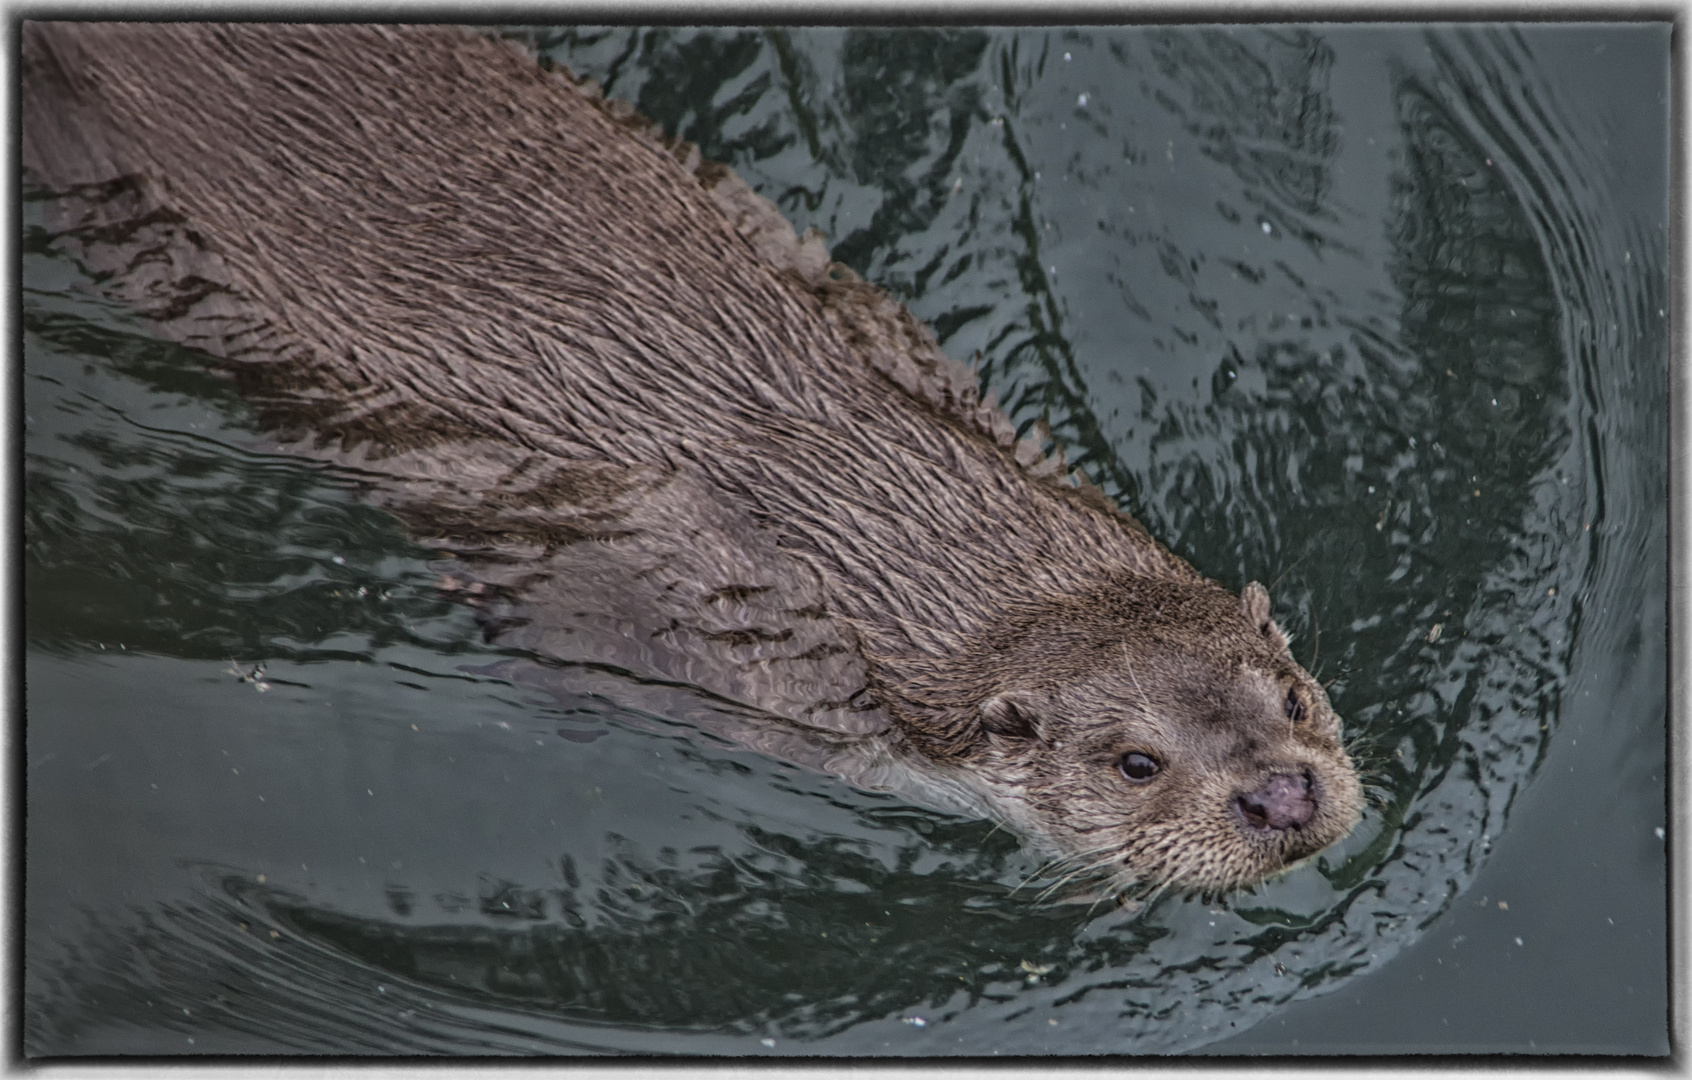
668 436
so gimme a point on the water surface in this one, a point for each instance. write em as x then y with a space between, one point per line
1375 315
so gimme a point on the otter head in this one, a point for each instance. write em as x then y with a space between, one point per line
1161 733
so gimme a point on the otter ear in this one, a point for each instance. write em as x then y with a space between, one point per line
1010 716
1254 601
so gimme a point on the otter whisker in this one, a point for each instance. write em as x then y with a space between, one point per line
1057 864
1049 866
1149 892
1315 644
1071 876
1289 568
1066 879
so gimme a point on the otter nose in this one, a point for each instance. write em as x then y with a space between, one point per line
1282 803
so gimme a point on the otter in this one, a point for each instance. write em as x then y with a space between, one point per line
671 435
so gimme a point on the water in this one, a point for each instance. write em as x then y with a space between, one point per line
1377 315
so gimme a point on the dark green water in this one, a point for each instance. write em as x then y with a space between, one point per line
1378 315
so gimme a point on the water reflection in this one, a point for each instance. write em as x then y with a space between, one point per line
1262 107
172 541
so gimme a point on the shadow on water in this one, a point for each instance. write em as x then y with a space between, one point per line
1343 369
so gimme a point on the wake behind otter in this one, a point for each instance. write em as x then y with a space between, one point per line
601 368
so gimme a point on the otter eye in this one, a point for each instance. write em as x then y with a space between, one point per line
1139 767
1295 706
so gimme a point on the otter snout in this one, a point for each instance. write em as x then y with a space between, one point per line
1282 803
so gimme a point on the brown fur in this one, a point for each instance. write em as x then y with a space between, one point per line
608 368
